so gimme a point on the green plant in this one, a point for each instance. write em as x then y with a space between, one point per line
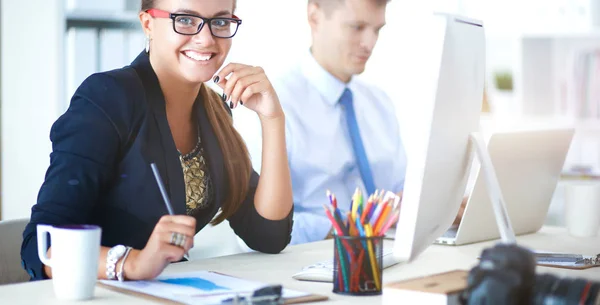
504 81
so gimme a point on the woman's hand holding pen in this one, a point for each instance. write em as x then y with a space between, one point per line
250 87
149 262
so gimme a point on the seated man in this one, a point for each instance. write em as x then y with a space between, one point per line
341 133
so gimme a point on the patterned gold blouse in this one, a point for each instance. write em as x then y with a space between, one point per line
197 180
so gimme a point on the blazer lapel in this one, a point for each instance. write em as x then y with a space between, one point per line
159 135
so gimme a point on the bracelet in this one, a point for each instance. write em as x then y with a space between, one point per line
112 257
120 273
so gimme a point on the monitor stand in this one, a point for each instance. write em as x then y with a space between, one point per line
507 234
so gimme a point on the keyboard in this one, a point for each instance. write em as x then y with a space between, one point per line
323 271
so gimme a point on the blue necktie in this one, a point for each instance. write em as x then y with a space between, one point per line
357 144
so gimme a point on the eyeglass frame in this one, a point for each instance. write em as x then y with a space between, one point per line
158 13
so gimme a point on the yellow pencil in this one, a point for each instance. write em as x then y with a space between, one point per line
355 203
369 233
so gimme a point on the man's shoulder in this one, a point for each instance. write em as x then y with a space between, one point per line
372 90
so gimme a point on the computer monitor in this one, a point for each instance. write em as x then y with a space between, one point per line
449 95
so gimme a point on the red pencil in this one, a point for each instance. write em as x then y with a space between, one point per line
339 230
331 199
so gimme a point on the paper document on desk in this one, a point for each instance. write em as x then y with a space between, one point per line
199 287
565 260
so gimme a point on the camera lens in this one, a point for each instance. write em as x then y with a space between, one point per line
542 287
551 290
506 275
593 297
576 290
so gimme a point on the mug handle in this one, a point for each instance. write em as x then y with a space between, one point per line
43 243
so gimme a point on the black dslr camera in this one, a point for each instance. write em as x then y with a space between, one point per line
506 275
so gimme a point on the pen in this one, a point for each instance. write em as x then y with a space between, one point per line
163 192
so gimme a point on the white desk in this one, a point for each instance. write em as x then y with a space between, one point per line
279 268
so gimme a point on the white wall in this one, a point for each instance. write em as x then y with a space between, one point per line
0 112
273 35
32 88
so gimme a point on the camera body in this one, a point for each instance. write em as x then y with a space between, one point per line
506 275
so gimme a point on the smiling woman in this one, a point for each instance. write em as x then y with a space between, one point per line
158 110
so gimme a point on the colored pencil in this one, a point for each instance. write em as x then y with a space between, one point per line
332 199
367 210
372 257
382 218
376 214
342 259
390 222
368 217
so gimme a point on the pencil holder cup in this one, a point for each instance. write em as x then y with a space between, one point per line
357 265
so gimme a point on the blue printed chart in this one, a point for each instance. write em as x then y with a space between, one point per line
199 287
195 282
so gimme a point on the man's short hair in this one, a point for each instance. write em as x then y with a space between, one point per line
329 5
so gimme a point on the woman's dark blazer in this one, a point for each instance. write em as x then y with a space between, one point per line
100 173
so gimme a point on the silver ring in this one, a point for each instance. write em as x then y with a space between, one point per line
178 239
181 242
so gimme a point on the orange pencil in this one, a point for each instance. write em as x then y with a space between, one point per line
390 222
356 276
382 218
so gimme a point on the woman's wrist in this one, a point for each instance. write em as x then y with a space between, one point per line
130 266
272 122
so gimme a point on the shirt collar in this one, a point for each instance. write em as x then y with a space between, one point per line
329 86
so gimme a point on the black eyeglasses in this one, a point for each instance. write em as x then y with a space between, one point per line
188 24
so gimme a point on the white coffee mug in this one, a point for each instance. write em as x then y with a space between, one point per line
582 208
75 250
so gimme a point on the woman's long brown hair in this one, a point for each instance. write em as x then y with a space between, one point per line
235 154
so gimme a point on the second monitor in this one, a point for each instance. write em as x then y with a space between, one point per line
528 165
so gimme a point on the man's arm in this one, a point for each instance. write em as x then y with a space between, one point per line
310 226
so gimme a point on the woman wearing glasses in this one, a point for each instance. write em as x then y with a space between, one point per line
159 111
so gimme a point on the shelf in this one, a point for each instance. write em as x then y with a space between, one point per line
573 33
506 123
102 20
